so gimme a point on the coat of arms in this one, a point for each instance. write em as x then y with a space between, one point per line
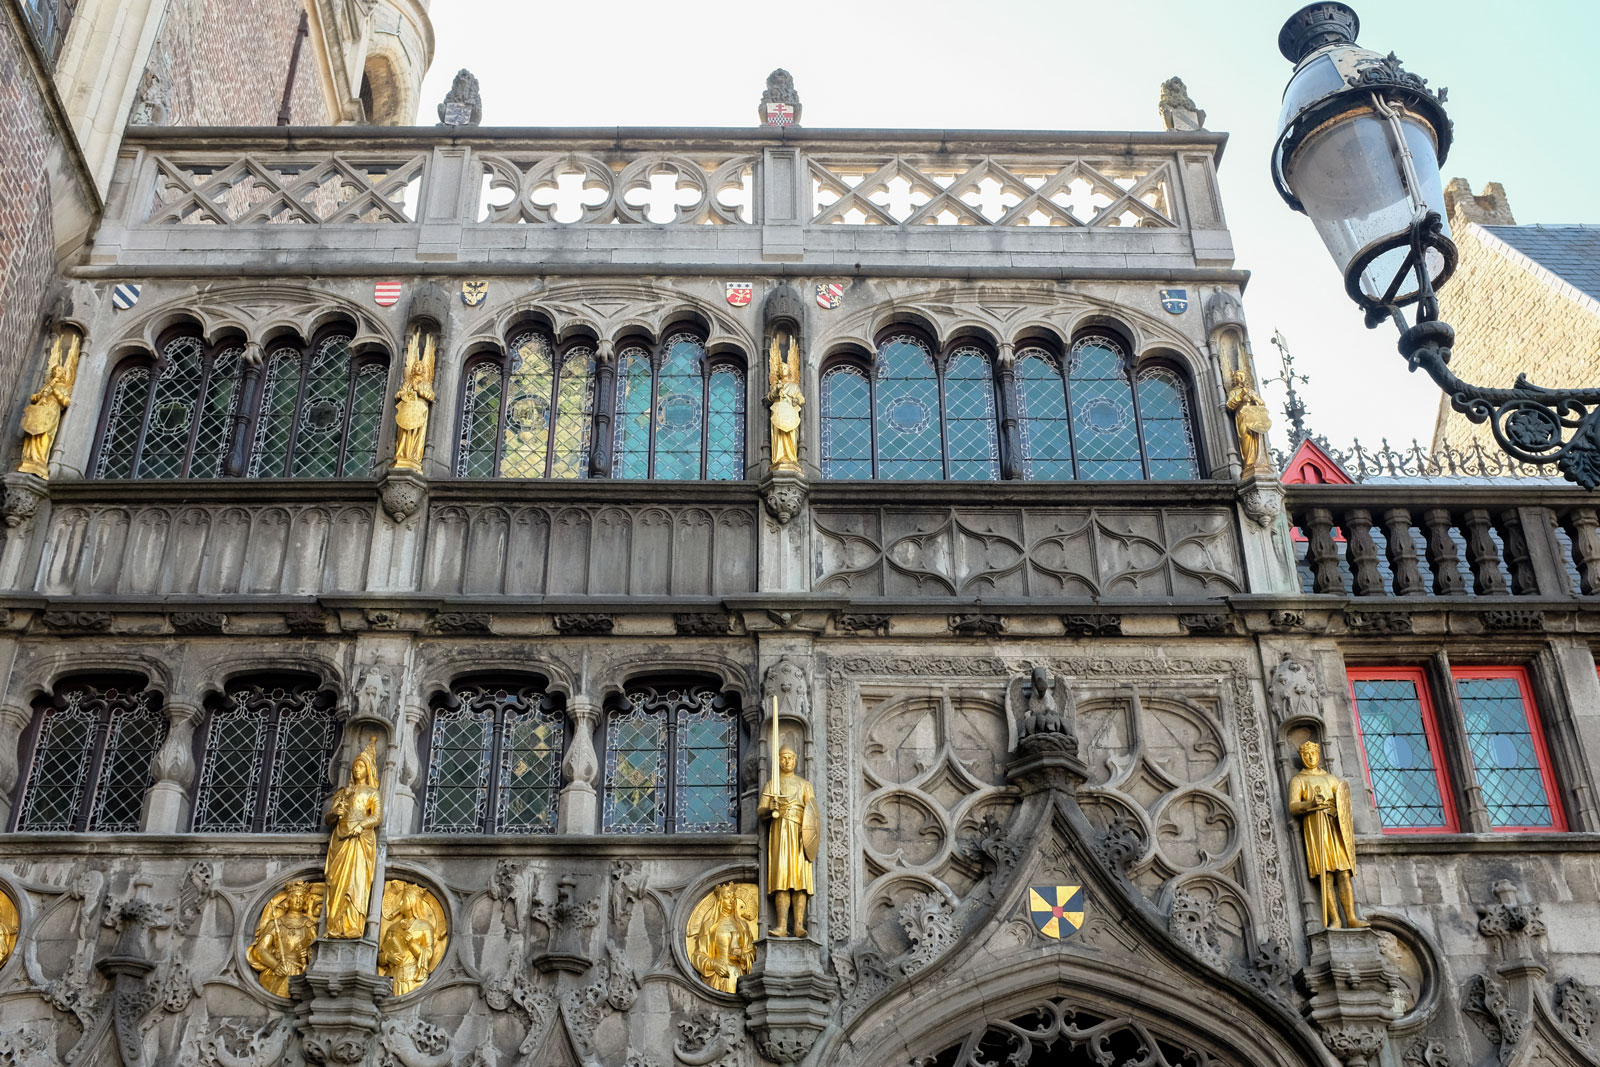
740 293
387 294
1056 910
474 293
124 296
829 294
1176 301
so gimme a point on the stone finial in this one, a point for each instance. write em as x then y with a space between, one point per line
780 103
1488 208
1177 110
462 106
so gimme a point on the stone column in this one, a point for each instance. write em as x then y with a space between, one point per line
14 719
166 805
1010 412
249 400
402 814
579 807
605 405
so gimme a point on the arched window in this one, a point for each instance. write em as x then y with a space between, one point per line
266 755
679 417
528 415
173 420
672 762
909 420
89 764
494 760
1089 421
321 410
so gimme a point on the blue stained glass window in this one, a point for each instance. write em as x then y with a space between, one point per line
683 420
671 763
971 436
680 410
631 455
1401 763
725 424
1105 429
1042 420
846 424
1500 738
1165 427
906 418
494 762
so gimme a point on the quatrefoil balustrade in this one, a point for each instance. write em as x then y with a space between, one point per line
656 189
307 189
990 192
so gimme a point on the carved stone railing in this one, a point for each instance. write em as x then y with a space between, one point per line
353 200
1482 541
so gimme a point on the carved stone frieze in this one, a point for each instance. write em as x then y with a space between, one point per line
977 623
1378 622
1286 619
586 623
198 622
1210 623
1512 620
92 622
306 621
463 622
1104 625
859 623
702 623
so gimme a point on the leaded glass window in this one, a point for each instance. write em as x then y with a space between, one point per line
1400 744
530 415
266 756
321 412
972 448
173 420
846 424
89 767
905 411
672 762
1164 426
494 761
678 416
1506 749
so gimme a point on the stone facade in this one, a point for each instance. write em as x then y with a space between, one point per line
1512 314
997 688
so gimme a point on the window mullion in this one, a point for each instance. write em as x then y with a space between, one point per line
269 756
295 416
149 412
207 359
97 766
491 797
669 795
1451 722
1138 417
650 437
552 414
1072 428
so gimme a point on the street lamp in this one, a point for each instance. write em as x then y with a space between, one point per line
1360 141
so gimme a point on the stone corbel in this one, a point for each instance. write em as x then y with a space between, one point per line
173 769
788 998
784 493
24 495
579 809
403 493
1351 1005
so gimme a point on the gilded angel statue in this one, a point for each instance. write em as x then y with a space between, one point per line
785 402
414 400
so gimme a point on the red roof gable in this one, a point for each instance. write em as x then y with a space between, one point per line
1311 465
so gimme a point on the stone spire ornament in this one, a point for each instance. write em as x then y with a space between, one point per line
780 103
462 106
1178 112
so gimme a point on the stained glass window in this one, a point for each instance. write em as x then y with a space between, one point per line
1399 742
1164 426
1506 749
494 761
681 418
971 438
1105 426
529 415
266 754
174 420
321 412
90 764
905 412
1042 418
846 424
672 762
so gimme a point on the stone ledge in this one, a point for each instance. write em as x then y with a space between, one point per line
1507 843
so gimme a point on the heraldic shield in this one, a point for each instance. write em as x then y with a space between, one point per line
1056 910
1347 822
810 831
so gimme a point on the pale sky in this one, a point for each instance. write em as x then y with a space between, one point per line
1523 80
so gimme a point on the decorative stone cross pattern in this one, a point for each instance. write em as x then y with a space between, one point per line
254 190
663 196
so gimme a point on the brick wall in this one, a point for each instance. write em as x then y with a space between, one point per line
1510 317
223 62
26 241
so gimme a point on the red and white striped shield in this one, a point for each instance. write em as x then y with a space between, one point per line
741 293
829 294
386 294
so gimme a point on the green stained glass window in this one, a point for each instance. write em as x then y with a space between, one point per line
906 421
321 413
1401 762
530 415
1505 751
494 761
176 422
846 424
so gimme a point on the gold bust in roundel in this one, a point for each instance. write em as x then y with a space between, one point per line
721 934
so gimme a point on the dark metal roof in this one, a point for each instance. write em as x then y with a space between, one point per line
1571 252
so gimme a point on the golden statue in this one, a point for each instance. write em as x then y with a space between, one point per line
413 401
10 927
790 803
288 926
1324 802
722 935
1250 421
785 400
412 937
353 849
42 417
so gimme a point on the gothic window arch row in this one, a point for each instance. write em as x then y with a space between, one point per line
292 408
527 408
1084 412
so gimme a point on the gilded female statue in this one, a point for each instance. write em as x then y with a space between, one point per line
1250 420
353 849
413 402
723 947
42 417
791 843
785 401
288 926
1324 803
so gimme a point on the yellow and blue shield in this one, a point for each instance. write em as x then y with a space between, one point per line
1056 910
1175 301
473 292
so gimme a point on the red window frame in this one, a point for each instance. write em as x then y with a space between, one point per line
1541 752
1430 728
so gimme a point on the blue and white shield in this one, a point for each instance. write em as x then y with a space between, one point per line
124 296
1176 301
